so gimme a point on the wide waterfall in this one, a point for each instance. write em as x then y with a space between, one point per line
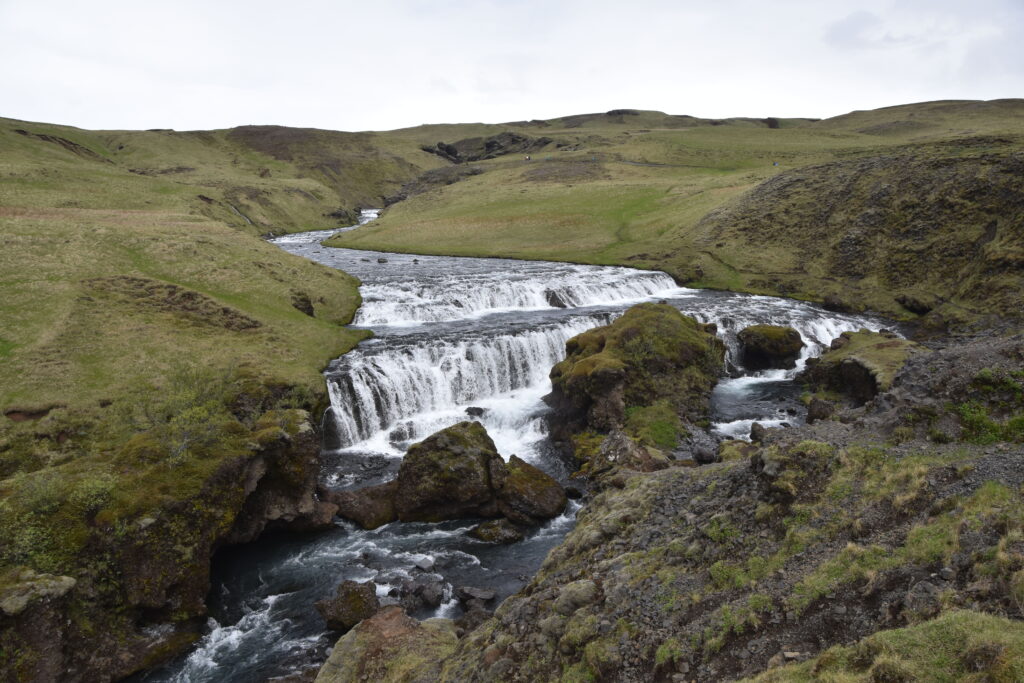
455 339
376 387
455 297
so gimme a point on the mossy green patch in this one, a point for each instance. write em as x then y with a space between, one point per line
655 425
957 646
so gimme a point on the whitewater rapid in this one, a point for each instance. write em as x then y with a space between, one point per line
454 339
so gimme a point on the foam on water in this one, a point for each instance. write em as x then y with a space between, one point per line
448 342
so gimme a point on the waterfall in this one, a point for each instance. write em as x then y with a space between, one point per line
373 390
456 297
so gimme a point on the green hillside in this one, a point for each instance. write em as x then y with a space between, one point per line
737 204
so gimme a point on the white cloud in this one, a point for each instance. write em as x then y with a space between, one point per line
356 66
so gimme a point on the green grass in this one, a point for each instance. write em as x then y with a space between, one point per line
697 207
957 646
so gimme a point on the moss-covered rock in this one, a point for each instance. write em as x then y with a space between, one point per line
860 364
770 346
352 602
448 475
528 495
653 355
390 647
453 474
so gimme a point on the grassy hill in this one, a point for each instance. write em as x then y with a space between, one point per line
736 204
155 350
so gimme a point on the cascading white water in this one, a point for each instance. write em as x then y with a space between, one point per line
460 296
417 377
374 391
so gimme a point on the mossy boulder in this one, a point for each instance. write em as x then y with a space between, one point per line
448 475
860 365
770 346
653 353
529 495
619 451
351 603
453 474
390 646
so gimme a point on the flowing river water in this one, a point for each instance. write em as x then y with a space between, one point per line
453 334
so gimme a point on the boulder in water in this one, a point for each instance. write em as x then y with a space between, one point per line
770 346
528 495
474 411
449 475
368 507
554 299
497 531
452 474
352 603
757 432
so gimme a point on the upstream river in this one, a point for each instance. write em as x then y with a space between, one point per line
453 334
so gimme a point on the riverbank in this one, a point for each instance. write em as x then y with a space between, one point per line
880 543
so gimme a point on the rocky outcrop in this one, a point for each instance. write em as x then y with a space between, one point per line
369 507
351 603
280 483
453 474
770 346
858 365
649 374
497 531
156 568
620 452
478 149
390 646
931 229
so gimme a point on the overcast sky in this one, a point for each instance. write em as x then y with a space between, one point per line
376 65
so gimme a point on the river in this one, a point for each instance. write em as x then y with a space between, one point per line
452 334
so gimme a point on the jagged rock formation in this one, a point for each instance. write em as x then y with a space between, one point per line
477 149
859 365
157 569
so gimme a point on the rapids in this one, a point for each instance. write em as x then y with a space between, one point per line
453 334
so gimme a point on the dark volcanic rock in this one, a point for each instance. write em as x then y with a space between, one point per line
369 507
528 495
452 474
859 364
478 149
497 531
352 603
770 346
449 475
